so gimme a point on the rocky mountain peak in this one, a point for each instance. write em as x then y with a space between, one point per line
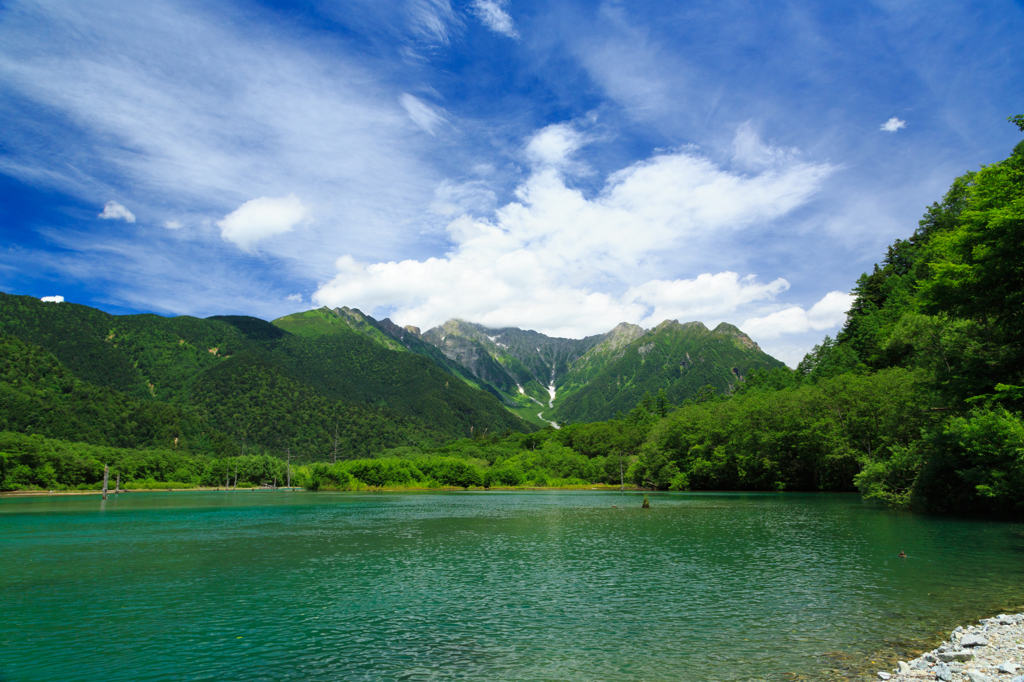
727 329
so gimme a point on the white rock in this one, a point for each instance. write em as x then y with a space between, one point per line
973 640
884 676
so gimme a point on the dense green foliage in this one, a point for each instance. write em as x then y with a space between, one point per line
949 302
28 462
38 395
802 436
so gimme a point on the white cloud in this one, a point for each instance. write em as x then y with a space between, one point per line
828 313
172 225
493 15
750 152
554 145
294 297
892 125
421 113
115 211
261 218
52 299
546 260
453 198
432 20
706 297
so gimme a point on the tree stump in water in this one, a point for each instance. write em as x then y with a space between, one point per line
646 504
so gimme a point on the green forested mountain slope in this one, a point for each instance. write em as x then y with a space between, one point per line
339 361
382 332
258 402
142 355
388 397
679 358
39 395
590 364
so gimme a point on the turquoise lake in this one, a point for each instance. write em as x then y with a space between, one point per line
485 586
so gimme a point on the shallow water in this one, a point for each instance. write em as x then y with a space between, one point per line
485 586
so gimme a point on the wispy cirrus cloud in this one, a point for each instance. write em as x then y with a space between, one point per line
188 114
493 15
427 117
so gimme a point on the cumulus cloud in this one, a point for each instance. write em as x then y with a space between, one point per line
261 218
705 297
554 145
493 15
52 299
172 225
828 313
115 211
892 125
559 261
421 113
297 298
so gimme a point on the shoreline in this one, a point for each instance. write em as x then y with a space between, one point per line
992 651
369 489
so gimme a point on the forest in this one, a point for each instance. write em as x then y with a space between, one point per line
916 402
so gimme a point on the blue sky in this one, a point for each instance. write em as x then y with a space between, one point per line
560 166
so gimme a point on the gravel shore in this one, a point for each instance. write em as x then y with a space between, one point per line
992 651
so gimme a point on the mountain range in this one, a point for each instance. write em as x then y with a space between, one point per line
331 381
551 380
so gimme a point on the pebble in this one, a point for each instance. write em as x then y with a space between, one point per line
993 651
